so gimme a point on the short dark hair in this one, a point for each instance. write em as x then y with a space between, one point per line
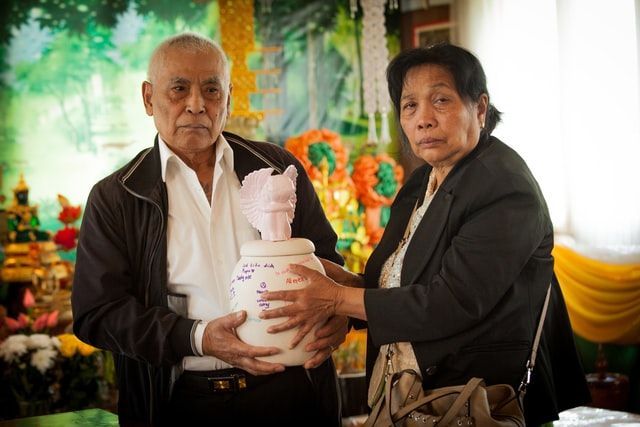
465 68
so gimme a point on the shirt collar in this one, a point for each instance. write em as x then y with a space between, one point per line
165 155
224 155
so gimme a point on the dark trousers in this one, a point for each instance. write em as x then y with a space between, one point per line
283 399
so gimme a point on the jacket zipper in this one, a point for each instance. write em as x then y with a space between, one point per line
146 289
157 243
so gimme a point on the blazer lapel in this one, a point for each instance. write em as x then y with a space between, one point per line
426 237
401 210
430 229
393 233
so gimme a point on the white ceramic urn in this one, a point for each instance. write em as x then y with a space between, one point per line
263 266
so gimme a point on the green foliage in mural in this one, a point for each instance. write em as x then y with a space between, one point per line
72 15
70 74
77 15
51 76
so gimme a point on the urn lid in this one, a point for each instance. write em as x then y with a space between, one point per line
295 246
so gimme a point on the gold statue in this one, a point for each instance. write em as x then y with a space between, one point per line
22 218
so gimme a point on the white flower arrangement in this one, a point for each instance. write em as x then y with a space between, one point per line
44 350
13 347
43 359
40 372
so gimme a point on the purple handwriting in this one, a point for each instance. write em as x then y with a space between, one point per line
262 303
244 277
257 265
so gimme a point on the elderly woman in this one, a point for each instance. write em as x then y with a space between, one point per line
456 285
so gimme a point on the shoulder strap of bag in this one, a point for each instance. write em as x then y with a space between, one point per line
453 410
375 411
522 389
462 398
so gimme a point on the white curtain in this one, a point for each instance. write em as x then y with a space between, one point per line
565 73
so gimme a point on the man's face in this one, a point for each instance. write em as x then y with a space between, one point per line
188 98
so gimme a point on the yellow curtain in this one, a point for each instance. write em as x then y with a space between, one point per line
603 299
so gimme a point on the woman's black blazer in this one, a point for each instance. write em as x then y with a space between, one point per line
473 282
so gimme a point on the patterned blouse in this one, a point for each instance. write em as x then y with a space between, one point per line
402 355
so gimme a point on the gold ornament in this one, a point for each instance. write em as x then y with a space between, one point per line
238 40
21 186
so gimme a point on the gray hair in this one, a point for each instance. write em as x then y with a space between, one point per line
190 42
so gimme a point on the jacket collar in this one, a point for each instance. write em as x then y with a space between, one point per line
247 156
453 176
436 217
143 175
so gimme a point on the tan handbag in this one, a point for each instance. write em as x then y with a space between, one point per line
405 403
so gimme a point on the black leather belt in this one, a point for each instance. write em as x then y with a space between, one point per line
221 381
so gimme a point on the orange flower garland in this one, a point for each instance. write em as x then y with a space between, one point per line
299 147
365 170
366 181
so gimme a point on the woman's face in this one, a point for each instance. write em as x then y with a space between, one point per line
441 127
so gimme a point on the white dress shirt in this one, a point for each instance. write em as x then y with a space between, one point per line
203 240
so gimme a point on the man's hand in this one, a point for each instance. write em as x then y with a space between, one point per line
328 338
220 340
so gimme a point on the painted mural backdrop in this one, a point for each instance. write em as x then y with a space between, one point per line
71 71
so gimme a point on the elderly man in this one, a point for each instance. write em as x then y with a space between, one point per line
159 240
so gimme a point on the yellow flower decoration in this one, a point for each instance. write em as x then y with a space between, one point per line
68 344
86 349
